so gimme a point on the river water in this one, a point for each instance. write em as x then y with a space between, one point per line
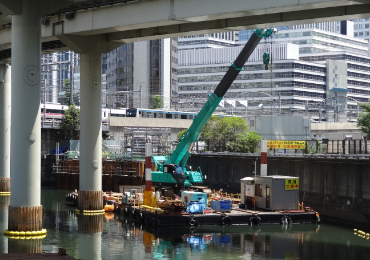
120 238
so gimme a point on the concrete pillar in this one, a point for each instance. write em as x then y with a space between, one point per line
90 196
5 101
25 211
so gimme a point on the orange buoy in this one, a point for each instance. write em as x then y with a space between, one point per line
109 208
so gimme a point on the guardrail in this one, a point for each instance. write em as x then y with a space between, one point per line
335 156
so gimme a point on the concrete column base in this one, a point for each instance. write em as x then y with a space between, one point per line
90 200
5 185
90 224
25 218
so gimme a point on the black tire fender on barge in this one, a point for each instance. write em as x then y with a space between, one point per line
287 219
255 220
227 221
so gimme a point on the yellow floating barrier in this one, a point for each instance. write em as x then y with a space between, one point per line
26 237
25 233
355 230
91 212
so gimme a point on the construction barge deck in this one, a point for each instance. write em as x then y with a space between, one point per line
235 217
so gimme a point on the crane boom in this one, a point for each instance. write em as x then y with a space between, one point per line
182 151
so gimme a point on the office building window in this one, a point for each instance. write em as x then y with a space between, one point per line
360 34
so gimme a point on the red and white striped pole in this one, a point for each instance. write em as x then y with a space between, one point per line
148 166
263 157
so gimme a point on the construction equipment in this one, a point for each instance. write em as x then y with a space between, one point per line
174 171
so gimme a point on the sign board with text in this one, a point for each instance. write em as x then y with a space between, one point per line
286 144
291 184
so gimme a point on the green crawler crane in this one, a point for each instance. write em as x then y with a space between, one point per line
174 171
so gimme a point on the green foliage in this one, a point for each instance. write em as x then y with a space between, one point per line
156 102
70 123
181 134
228 133
364 119
67 89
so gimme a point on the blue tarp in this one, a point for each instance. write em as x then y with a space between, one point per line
195 206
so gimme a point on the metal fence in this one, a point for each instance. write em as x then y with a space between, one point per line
348 147
311 147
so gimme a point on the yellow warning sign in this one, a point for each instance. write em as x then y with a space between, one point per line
291 184
286 144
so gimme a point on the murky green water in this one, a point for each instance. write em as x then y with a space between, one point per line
123 239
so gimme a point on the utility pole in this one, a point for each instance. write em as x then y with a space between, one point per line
336 106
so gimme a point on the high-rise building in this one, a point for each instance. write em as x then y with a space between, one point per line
336 27
315 72
137 71
55 68
362 28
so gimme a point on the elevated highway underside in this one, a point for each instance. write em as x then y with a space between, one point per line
124 21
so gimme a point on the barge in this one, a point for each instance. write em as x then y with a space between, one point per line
236 216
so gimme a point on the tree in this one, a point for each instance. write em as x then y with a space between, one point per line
70 123
181 134
67 89
210 130
228 133
364 119
156 102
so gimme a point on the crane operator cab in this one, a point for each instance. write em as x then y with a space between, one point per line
176 171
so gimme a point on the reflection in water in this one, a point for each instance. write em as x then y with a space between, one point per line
25 245
90 246
4 209
90 229
115 237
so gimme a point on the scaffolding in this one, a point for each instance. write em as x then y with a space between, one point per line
125 158
135 139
